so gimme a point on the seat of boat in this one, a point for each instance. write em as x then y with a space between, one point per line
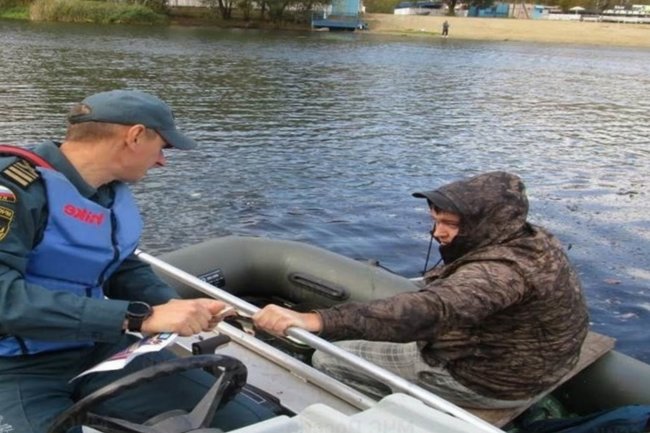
395 413
594 347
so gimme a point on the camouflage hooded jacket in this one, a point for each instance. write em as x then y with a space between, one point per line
506 318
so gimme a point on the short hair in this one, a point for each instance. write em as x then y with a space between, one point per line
89 131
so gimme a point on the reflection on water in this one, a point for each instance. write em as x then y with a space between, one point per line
322 138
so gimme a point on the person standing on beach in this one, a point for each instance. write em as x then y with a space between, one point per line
445 29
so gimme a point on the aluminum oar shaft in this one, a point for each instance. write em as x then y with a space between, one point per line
316 342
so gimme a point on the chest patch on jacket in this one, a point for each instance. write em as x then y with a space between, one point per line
22 173
6 217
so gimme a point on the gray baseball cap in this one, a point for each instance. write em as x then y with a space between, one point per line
132 107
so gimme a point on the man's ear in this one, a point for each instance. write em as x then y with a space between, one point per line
133 134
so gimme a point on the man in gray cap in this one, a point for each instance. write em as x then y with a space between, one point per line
500 321
70 284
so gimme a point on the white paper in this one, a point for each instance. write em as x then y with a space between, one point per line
152 343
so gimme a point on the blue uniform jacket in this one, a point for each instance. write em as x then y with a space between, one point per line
39 295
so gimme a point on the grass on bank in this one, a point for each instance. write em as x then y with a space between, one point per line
380 6
15 13
14 9
87 11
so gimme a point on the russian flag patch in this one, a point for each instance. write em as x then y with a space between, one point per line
7 195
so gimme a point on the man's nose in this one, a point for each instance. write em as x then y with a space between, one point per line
161 161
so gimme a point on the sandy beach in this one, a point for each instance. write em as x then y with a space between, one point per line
502 29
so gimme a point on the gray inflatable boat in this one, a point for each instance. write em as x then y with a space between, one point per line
260 270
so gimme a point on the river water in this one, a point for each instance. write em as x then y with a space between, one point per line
322 137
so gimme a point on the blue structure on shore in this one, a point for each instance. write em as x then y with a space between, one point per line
498 10
344 15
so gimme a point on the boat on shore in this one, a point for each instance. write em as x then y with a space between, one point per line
249 272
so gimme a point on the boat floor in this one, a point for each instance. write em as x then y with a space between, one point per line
290 386
297 393
594 346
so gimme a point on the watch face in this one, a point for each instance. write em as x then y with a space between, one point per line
138 309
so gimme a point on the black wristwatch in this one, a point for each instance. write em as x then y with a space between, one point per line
136 313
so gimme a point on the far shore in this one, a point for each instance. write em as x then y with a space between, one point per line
510 29
461 28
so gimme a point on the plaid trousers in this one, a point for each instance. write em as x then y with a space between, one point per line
405 360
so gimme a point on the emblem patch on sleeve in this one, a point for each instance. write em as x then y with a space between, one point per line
7 195
6 217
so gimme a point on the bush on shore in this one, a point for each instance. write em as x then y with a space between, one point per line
8 4
87 11
15 13
14 9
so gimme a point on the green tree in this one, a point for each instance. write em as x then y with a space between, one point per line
222 7
451 7
246 8
277 8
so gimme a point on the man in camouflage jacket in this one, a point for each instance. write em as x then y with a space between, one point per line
502 319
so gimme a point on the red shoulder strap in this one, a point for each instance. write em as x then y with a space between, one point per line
25 154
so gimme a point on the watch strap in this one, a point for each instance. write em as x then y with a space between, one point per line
136 313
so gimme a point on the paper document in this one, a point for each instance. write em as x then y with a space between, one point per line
152 343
